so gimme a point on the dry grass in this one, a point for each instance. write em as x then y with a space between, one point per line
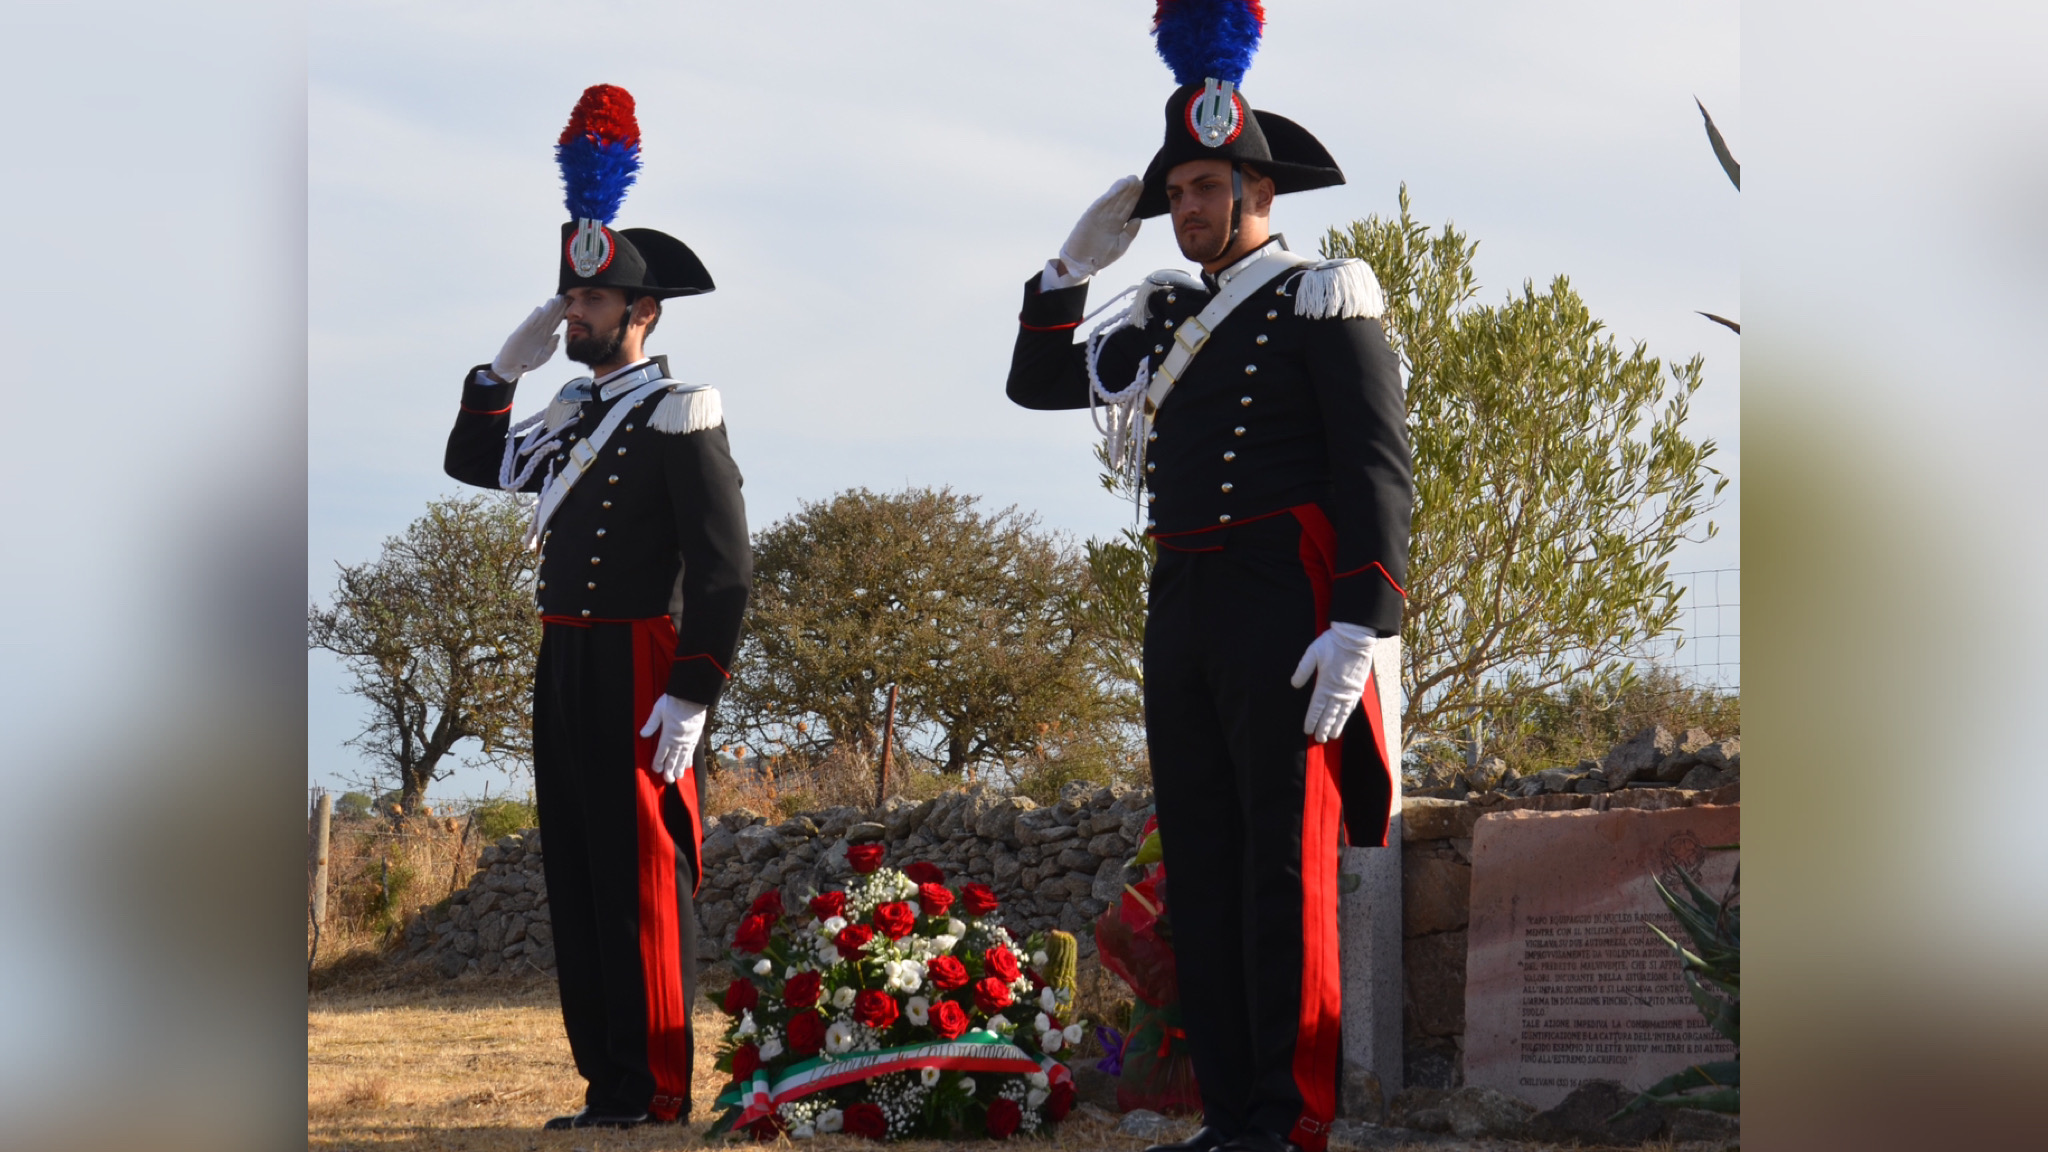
478 1070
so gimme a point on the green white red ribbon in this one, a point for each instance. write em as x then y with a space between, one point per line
977 1051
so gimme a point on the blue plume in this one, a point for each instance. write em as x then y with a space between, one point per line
1203 38
596 175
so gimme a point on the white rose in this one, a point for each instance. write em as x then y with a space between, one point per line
999 1023
771 1048
843 998
833 925
1039 959
930 1076
1048 1001
1042 1022
831 1120
1049 1042
1037 1080
789 973
1073 1032
763 966
1036 1097
839 1038
919 1012
967 1085
955 929
802 1132
943 943
747 1026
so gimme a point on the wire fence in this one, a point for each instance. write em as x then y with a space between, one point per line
1707 645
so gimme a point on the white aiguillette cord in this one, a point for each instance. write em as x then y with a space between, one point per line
584 454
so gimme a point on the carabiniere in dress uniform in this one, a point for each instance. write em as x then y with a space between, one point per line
1259 411
644 573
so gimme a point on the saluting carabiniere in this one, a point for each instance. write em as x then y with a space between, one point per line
644 574
1261 410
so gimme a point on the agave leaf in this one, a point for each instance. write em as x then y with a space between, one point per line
1725 1076
1699 927
1723 1015
1721 152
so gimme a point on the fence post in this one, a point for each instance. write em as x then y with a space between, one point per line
323 819
888 737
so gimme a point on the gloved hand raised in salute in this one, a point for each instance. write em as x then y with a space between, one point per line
1103 234
532 342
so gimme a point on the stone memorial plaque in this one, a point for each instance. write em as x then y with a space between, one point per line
1563 983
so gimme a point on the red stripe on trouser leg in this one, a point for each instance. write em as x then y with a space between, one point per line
661 961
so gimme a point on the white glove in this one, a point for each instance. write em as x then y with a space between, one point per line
1341 661
532 342
681 724
1104 233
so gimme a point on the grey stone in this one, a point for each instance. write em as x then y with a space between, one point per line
543 958
1146 1124
1360 1096
1436 894
1133 824
1698 1125
490 963
541 932
1093 1086
796 830
1435 992
514 951
1109 844
1724 755
481 903
1430 1062
999 821
1421 1109
1589 783
1475 1111
833 822
1557 779
866 832
1108 886
1057 833
718 846
1075 795
1006 871
515 929
490 935
739 818
1583 1116
1079 860
508 883
1428 818
450 964
465 943
1637 755
756 841
1099 823
1702 777
489 856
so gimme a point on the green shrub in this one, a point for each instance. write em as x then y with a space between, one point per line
502 817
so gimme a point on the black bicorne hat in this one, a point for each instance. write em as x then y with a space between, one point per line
1197 114
637 259
599 153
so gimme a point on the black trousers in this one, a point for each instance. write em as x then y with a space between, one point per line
1250 816
620 849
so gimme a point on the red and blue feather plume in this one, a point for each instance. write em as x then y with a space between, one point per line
1208 39
599 153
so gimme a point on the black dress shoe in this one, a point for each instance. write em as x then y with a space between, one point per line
590 1119
1205 1139
1257 1140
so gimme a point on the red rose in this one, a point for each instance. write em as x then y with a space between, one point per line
948 1019
1000 961
768 904
946 973
934 897
766 1129
806 1033
896 919
828 905
740 996
802 990
925 872
865 857
753 933
1003 1118
852 939
991 994
1060 1102
746 1060
979 900
875 1009
866 1120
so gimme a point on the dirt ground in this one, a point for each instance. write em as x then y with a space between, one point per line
477 1069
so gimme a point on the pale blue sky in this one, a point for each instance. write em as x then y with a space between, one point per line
871 184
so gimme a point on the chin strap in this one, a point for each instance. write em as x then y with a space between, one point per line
1236 205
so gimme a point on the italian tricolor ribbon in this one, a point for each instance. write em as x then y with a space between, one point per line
977 1051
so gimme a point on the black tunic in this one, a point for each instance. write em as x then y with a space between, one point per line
1277 410
655 527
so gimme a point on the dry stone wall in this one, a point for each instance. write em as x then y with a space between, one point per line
1056 866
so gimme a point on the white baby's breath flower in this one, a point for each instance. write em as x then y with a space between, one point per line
763 966
1050 1042
1049 1001
955 928
771 1048
833 925
1073 1032
831 1120
1037 1080
747 1026
1036 1097
919 1011
844 997
1039 959
839 1038
930 1076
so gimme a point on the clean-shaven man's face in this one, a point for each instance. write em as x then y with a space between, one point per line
1198 197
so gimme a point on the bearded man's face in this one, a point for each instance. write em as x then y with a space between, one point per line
596 325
